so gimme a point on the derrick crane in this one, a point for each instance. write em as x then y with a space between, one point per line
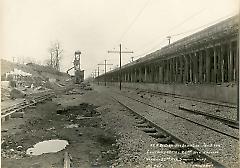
78 73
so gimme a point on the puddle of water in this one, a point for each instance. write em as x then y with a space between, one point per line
50 146
71 126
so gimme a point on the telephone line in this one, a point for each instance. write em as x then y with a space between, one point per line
120 62
174 27
105 64
133 21
206 25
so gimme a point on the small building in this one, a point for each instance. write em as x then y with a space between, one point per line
79 76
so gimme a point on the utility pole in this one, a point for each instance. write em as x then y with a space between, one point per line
57 61
98 75
51 58
169 39
95 73
105 64
132 58
120 63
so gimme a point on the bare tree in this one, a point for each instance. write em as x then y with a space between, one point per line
50 61
47 62
55 55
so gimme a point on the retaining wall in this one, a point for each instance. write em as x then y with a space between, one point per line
223 93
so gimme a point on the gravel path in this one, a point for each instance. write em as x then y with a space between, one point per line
173 108
221 111
226 147
136 148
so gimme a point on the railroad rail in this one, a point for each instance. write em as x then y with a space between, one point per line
227 121
13 106
171 139
7 112
185 118
188 98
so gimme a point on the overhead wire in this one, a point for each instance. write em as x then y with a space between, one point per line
171 29
204 26
157 46
174 27
195 29
150 50
133 21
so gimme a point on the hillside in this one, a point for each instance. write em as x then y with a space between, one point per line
40 71
29 78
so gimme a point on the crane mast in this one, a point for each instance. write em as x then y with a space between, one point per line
78 73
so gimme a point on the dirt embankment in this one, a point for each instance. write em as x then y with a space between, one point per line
90 145
38 71
28 79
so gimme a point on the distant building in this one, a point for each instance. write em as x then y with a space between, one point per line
79 76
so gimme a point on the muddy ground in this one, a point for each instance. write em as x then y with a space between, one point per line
99 131
90 145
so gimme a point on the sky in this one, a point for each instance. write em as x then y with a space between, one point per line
29 27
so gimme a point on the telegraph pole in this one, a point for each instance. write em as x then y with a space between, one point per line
105 64
95 73
169 39
51 58
57 60
132 58
98 75
120 63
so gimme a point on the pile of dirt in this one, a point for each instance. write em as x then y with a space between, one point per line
15 93
90 145
5 94
39 73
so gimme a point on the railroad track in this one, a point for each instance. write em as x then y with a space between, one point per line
225 120
13 106
7 112
191 99
164 137
154 123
